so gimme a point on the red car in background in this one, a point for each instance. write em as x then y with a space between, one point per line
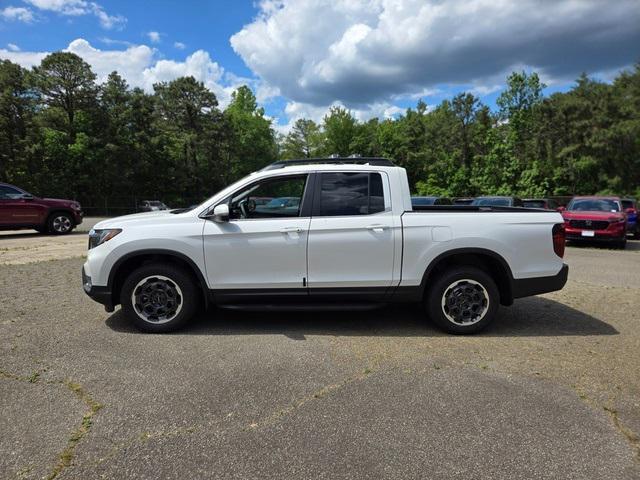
596 218
19 209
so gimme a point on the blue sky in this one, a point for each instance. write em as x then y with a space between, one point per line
375 57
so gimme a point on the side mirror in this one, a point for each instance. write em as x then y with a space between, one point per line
221 213
561 209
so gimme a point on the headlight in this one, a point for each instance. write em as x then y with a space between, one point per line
98 237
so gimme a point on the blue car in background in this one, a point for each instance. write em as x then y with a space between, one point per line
630 207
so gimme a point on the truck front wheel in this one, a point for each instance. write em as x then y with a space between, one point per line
462 300
159 298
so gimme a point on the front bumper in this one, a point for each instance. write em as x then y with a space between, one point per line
602 235
99 294
526 287
78 215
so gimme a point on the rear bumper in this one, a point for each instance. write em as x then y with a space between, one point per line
99 294
525 287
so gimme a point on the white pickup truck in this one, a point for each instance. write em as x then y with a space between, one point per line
335 233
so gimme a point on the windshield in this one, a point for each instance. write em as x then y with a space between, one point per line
492 201
593 205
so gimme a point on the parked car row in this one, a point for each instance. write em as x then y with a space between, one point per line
593 218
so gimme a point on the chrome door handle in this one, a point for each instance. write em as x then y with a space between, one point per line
376 228
290 230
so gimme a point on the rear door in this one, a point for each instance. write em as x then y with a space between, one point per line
351 235
15 210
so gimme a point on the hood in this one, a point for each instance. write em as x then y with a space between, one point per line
59 201
137 218
595 215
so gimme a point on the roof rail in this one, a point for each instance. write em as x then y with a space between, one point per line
375 161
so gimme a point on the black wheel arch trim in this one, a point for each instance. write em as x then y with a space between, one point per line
508 297
158 251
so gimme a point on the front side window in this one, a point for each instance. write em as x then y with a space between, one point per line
278 197
350 193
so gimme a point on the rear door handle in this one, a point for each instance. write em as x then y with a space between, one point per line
290 230
376 228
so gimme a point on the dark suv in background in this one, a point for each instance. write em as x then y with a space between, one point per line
19 210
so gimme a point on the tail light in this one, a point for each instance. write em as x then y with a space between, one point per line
558 236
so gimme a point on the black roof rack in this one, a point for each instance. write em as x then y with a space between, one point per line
375 161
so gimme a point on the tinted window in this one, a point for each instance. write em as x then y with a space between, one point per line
594 205
7 192
492 202
274 198
423 200
350 194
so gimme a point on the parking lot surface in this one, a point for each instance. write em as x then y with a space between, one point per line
550 390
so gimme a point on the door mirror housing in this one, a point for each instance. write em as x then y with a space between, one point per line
221 213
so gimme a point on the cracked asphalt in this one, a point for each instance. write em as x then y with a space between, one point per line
551 390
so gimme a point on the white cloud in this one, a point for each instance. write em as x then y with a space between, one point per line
363 52
140 67
78 8
179 45
13 47
154 37
19 14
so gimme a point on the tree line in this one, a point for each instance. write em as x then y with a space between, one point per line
62 134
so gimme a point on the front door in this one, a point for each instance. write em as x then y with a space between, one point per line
264 243
352 234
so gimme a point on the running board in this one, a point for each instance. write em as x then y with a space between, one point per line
301 307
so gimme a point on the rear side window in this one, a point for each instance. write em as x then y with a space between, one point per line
350 193
9 193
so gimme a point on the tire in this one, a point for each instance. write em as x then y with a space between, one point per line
477 293
60 223
176 298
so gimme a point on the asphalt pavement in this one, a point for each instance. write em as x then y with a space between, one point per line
551 390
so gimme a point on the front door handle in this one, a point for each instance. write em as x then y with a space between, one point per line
376 228
290 230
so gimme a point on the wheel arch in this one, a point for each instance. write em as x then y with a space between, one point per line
51 213
129 262
491 262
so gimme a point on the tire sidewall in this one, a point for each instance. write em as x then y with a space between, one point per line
190 297
55 215
433 299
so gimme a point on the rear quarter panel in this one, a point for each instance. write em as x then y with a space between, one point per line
523 240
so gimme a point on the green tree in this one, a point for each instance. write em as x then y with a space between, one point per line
339 132
66 81
303 141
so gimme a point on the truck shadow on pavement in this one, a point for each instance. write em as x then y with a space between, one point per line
530 317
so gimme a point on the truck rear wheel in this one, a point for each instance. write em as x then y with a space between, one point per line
159 298
462 300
